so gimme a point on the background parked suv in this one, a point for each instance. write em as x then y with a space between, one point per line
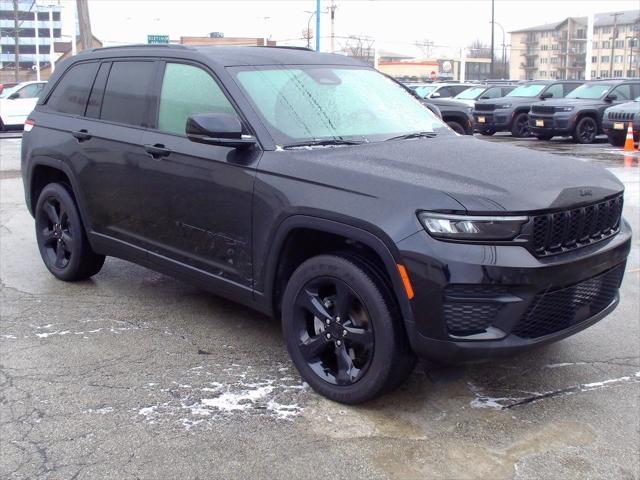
17 102
440 90
483 92
510 113
580 114
456 114
616 120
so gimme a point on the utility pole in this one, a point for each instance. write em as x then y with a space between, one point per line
86 38
51 40
332 9
493 27
16 36
613 40
317 25
35 16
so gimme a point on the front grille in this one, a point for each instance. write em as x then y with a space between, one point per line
485 107
469 318
563 231
552 312
624 116
543 109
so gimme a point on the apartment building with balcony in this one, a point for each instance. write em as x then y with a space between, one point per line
558 50
47 15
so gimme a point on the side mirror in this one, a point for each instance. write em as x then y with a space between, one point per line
13 96
435 95
546 95
223 129
484 98
611 97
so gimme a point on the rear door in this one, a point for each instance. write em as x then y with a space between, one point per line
109 143
197 197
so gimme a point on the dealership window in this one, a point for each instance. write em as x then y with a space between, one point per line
178 103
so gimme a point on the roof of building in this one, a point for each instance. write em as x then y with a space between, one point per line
599 20
227 56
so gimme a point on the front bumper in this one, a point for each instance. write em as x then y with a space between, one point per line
477 302
556 124
612 127
494 120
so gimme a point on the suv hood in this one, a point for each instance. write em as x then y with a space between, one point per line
576 102
508 100
628 107
419 173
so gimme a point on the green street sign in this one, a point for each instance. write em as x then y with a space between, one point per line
157 39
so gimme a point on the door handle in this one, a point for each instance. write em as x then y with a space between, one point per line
81 135
157 151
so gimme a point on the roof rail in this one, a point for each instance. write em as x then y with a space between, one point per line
288 47
142 45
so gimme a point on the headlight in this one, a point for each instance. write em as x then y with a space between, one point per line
506 105
564 109
469 227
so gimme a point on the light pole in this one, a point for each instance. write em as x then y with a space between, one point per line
504 47
37 63
309 28
492 34
51 40
317 25
631 44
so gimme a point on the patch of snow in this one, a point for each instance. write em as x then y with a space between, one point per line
146 411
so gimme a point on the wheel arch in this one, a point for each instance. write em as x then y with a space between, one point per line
278 271
588 113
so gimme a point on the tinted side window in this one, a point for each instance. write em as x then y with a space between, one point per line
97 92
555 90
459 89
125 97
444 92
187 90
72 92
623 92
492 93
570 87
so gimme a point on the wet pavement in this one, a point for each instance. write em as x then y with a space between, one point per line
133 374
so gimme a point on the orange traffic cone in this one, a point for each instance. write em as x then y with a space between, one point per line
628 143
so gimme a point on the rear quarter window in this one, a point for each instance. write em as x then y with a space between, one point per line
71 93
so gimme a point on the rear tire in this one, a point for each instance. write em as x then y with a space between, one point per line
333 294
456 127
62 241
585 130
520 127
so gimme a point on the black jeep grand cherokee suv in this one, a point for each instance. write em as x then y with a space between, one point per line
311 187
616 120
511 112
580 114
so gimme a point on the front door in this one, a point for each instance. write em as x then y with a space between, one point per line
197 197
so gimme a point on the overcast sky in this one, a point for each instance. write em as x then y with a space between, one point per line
395 24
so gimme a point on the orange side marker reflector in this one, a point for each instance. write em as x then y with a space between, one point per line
405 281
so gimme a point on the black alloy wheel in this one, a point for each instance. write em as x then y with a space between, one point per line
521 127
586 130
62 241
343 329
335 335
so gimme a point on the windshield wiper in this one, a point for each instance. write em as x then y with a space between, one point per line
413 135
324 142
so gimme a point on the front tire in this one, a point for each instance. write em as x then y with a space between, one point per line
62 241
456 127
342 329
585 131
520 128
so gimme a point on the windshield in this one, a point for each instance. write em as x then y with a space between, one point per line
425 90
307 103
532 90
471 93
590 90
8 91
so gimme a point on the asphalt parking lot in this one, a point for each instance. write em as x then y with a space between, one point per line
136 375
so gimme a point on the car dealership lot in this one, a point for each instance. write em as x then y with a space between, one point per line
135 374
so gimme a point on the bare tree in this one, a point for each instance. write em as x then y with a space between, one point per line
477 49
307 34
426 47
359 47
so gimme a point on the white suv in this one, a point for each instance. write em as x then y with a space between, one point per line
17 102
